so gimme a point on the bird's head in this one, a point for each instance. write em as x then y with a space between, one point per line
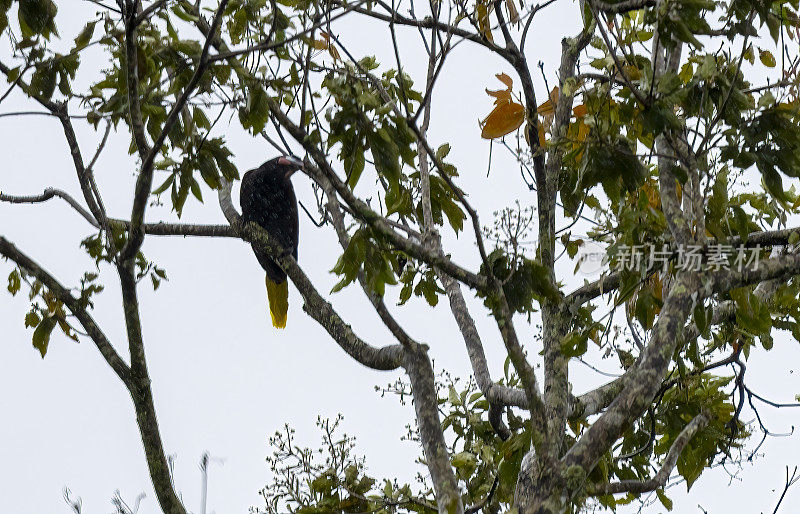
288 164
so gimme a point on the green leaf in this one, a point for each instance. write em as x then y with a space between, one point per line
702 318
774 183
31 319
385 154
41 336
37 17
349 263
85 35
200 118
465 463
574 344
14 282
43 80
452 396
767 59
255 114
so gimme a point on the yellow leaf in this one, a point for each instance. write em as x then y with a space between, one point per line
482 13
319 45
334 53
653 196
767 59
502 96
631 71
542 140
504 119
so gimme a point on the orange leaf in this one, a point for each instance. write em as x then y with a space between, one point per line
504 119
501 96
580 110
548 108
542 140
505 79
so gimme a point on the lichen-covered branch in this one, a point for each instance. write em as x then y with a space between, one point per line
555 320
142 396
437 458
639 390
622 7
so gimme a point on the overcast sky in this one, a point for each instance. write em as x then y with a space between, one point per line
223 379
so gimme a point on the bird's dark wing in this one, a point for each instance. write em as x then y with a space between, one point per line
268 199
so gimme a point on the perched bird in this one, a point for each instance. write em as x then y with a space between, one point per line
267 198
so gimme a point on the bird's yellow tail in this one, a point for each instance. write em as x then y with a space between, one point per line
278 295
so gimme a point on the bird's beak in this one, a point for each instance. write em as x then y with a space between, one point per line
291 163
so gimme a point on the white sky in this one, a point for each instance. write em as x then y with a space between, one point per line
224 380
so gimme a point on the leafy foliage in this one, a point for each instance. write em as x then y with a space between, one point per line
640 136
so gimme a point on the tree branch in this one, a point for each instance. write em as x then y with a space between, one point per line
160 228
49 193
142 396
59 110
697 424
622 7
385 358
437 458
145 180
112 358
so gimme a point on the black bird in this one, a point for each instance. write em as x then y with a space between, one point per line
267 198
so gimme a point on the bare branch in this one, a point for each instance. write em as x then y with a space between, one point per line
142 396
47 195
429 23
622 7
437 459
160 228
611 281
147 12
267 45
